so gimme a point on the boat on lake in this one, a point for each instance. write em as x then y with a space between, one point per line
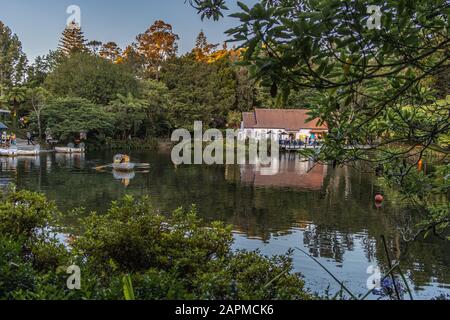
124 166
17 152
69 150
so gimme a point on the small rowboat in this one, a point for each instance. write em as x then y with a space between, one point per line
68 150
123 166
15 152
124 175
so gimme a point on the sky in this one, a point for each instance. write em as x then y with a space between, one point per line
39 23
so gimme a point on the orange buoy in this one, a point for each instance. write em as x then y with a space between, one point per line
420 165
379 198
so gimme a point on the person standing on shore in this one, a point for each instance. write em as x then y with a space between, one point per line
13 139
29 138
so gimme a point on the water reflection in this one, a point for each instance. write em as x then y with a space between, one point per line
292 172
124 177
74 160
328 212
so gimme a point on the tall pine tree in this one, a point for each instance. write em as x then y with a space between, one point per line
72 40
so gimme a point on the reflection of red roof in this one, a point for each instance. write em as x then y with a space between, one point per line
287 178
287 119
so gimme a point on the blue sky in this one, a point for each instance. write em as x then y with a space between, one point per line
39 23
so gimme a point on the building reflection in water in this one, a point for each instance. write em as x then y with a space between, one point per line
28 163
291 172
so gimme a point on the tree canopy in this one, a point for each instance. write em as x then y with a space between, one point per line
155 46
67 117
91 77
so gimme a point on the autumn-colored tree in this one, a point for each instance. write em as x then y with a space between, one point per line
203 49
132 58
72 40
111 51
155 46
218 55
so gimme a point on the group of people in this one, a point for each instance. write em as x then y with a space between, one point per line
9 139
311 141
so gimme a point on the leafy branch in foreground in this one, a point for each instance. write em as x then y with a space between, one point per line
377 89
209 8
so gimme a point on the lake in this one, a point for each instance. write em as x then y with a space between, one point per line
330 213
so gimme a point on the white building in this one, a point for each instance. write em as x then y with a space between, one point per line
280 124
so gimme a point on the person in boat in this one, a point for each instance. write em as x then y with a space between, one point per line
122 158
125 159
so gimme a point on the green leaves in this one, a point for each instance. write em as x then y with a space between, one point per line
67 117
25 214
243 6
93 78
128 290
179 256
209 8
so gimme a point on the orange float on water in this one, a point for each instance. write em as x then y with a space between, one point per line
379 198
420 165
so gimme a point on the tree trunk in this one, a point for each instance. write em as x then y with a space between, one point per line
38 116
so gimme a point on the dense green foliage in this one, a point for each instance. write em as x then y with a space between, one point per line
96 79
167 257
141 92
201 92
67 117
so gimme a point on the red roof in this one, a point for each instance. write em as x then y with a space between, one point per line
249 119
287 119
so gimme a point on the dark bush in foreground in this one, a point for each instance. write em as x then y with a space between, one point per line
166 257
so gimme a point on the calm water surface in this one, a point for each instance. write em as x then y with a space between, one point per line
327 212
